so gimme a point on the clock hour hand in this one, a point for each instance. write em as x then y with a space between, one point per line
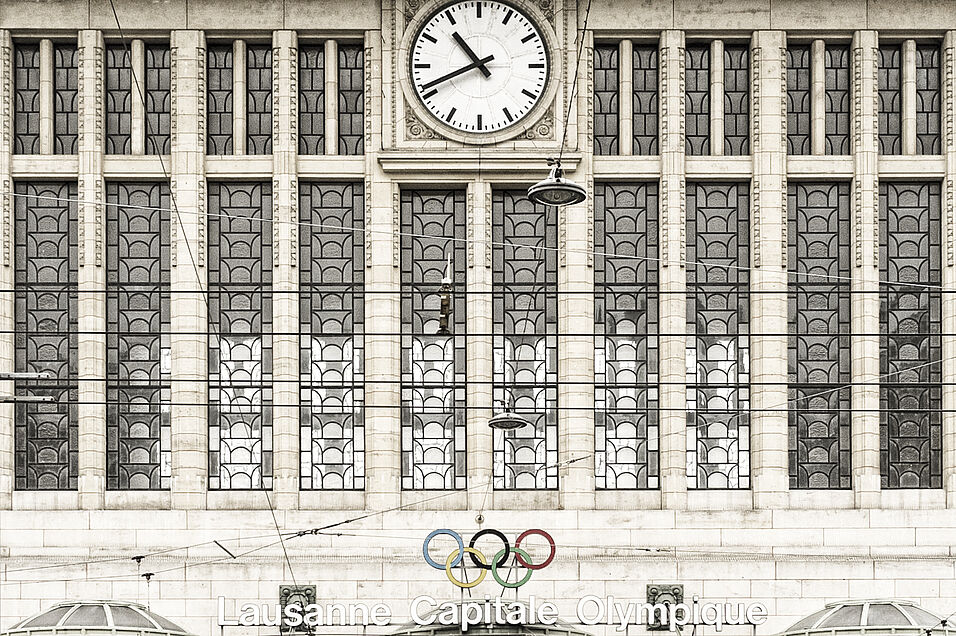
471 54
456 73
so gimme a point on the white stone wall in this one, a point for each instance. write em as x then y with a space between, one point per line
793 561
793 550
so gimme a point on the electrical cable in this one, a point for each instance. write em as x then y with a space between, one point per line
399 233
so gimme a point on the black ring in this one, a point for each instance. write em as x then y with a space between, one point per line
504 540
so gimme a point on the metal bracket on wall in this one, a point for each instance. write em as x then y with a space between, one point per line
667 594
301 595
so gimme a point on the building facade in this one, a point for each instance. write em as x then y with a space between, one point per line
273 287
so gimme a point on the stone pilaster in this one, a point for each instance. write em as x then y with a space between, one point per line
908 54
332 97
717 97
768 282
625 98
91 305
480 348
949 269
576 314
137 120
187 272
285 344
673 277
6 267
865 345
382 300
239 96
818 97
46 97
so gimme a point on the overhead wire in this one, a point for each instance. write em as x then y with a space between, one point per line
397 233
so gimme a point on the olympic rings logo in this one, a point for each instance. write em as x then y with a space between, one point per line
480 561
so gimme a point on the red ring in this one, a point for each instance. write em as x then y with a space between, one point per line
532 566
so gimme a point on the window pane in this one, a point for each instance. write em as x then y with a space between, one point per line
46 334
240 335
118 100
890 100
351 99
258 99
434 333
137 338
819 341
331 327
219 99
910 344
606 83
525 344
645 100
26 105
697 100
625 335
311 100
718 344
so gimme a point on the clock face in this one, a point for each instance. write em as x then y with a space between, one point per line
479 66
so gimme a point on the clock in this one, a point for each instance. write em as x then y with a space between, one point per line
480 67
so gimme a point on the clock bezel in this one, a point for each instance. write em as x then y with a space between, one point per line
413 100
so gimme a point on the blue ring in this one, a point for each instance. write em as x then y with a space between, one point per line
451 533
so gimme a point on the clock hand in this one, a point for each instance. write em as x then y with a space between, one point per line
471 54
463 69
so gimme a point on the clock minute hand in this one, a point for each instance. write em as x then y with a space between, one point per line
471 54
456 73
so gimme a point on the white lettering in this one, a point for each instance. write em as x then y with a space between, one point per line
757 614
419 618
596 616
223 621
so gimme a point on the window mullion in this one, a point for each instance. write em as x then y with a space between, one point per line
46 97
818 100
909 97
239 97
625 105
331 97
717 97
137 120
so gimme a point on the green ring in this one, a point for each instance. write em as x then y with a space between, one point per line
494 569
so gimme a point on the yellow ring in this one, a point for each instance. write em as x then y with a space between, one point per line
454 555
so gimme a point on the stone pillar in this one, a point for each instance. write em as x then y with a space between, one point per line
46 97
949 269
285 342
717 97
576 315
137 120
187 270
480 347
818 97
908 54
625 99
91 304
332 98
865 344
239 97
382 299
673 276
768 282
6 268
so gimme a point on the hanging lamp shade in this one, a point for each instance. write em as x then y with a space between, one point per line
508 421
556 190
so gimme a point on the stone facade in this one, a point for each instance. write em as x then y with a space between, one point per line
791 549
